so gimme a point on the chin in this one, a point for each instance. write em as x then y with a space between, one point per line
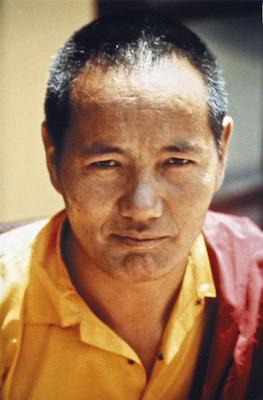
140 268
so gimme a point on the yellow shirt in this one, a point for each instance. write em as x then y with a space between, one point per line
66 352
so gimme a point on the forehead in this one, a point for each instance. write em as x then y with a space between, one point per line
172 82
154 105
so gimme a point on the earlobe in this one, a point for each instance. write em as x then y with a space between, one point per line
223 148
50 157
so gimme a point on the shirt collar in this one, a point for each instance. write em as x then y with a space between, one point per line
52 299
196 287
204 282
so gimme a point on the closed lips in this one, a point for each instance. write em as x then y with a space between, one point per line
139 238
143 242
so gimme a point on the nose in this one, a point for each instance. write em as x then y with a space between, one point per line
142 200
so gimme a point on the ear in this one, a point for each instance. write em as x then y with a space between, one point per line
50 157
223 149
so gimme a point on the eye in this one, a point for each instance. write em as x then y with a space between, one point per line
104 164
175 161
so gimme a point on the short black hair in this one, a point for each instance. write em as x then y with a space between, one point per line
121 39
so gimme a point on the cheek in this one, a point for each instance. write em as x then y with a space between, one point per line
89 198
190 198
194 185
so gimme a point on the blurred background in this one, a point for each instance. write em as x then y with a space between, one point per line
31 31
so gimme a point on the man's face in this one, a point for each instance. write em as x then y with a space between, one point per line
139 168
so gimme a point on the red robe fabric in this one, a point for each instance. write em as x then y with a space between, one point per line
231 361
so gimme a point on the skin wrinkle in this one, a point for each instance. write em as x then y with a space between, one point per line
145 194
148 83
163 111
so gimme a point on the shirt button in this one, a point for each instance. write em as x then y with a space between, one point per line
160 356
131 362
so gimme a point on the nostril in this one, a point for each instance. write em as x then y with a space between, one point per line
142 201
141 210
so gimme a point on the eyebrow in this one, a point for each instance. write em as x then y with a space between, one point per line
184 147
97 149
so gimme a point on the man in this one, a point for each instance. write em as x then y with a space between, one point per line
135 291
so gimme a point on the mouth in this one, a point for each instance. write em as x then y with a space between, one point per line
140 242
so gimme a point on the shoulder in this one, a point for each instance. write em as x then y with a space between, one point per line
222 229
15 247
20 236
15 252
235 248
